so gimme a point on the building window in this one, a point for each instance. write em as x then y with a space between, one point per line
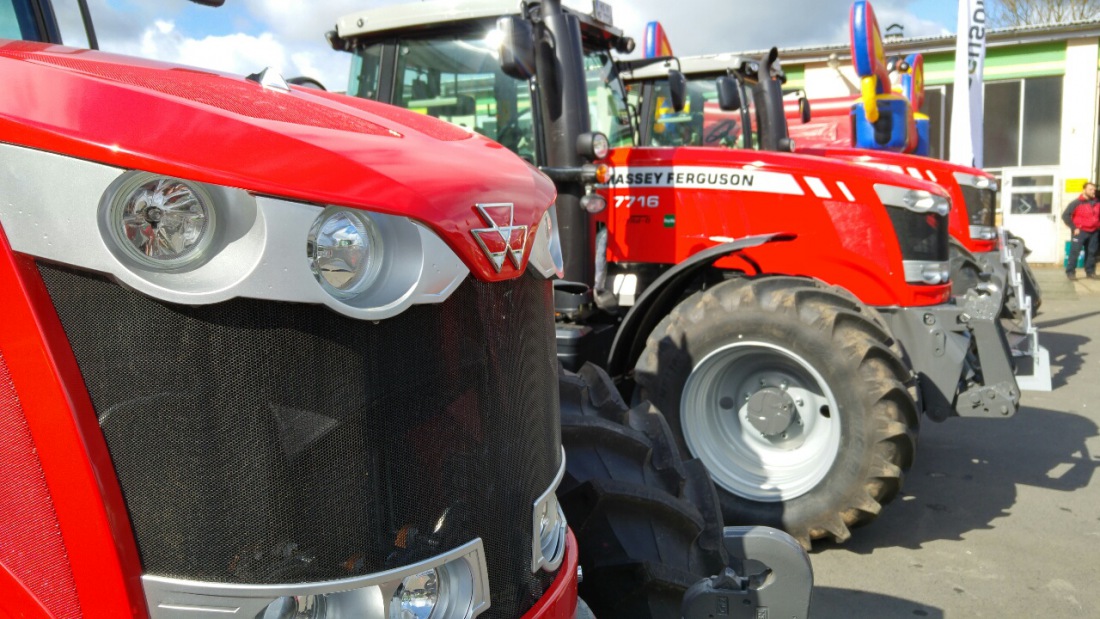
1023 122
1001 135
1042 125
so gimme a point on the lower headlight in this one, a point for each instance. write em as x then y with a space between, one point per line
344 251
160 222
296 607
417 596
983 233
927 272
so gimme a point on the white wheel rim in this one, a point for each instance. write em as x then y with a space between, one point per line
740 458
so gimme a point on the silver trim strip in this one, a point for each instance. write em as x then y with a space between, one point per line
369 596
973 180
983 233
919 271
548 557
51 209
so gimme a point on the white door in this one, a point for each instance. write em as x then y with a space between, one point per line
1028 211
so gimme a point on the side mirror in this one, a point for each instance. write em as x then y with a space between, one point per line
677 90
729 95
307 82
804 112
517 47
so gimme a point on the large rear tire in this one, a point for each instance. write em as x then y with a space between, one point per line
647 523
794 397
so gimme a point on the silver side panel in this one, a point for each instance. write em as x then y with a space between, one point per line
51 208
365 597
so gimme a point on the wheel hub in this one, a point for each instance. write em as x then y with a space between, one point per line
771 411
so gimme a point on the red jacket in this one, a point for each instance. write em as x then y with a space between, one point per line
1083 214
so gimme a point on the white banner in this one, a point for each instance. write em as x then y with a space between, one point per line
966 110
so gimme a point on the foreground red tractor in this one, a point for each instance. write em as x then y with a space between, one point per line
270 352
726 278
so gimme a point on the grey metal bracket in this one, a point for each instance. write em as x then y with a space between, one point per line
998 395
780 589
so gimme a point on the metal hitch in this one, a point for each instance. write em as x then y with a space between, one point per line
774 579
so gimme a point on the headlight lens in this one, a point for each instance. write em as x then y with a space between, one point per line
417 596
600 145
344 251
161 222
917 200
296 607
593 203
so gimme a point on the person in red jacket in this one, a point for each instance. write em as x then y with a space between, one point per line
1083 217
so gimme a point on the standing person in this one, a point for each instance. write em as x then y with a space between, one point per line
1083 218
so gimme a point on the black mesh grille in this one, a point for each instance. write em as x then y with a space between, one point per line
922 236
981 205
265 442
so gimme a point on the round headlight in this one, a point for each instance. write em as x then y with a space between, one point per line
600 145
344 250
295 607
417 596
161 222
593 203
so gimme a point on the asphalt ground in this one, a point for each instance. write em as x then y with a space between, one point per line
998 517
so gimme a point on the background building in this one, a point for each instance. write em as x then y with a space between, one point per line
1040 113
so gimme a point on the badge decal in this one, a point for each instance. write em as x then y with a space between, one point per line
504 238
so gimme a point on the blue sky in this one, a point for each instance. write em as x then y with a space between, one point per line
246 35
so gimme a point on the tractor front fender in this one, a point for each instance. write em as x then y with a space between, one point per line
664 293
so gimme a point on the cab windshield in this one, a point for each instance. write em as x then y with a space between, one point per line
17 21
702 122
454 78
607 108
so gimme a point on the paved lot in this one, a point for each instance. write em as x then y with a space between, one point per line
999 518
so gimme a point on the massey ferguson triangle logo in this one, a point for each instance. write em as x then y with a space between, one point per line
503 238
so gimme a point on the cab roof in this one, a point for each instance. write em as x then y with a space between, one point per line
434 13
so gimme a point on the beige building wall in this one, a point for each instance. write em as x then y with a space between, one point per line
822 81
1079 120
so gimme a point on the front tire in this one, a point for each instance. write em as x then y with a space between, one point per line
647 523
794 398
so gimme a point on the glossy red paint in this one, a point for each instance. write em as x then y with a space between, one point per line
304 144
91 516
936 170
844 235
560 600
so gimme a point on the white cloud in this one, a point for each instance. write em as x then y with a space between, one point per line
238 53
289 34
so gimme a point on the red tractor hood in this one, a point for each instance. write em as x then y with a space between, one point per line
897 162
798 165
304 144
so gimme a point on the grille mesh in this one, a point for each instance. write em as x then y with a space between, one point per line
922 236
263 442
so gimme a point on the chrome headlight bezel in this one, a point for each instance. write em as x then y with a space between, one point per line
916 200
256 249
546 256
974 180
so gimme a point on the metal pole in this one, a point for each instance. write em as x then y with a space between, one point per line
563 94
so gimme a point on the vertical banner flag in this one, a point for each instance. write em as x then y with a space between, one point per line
656 41
966 110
